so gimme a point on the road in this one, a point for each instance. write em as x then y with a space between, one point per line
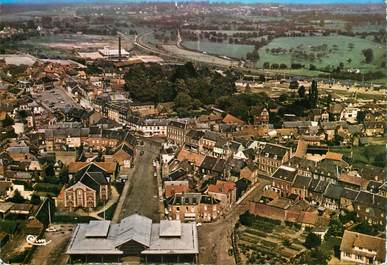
215 238
142 192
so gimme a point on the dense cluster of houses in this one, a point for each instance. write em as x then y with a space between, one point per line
207 163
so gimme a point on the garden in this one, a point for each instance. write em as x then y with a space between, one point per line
263 240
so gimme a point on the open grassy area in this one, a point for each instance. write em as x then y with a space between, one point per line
333 51
326 51
372 154
222 49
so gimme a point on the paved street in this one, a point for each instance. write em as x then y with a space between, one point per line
142 193
214 238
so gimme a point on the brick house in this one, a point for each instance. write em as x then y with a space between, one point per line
213 166
123 156
362 249
249 172
89 189
271 157
224 191
176 132
374 128
282 180
371 207
173 187
300 186
347 198
193 207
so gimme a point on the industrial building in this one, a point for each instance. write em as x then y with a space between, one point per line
136 235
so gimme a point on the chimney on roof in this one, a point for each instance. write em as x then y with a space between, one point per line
119 48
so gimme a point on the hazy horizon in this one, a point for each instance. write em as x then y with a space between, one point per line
287 2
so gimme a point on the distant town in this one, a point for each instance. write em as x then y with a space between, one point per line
192 133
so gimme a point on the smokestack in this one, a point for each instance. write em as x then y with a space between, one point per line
119 48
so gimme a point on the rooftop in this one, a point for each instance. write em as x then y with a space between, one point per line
102 237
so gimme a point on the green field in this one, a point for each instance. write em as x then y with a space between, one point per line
373 154
222 49
331 24
337 50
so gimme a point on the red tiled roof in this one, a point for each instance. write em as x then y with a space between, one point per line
221 187
192 157
230 119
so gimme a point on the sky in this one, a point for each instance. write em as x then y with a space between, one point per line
211 1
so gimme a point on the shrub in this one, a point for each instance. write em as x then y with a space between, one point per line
35 199
109 212
19 257
27 185
312 241
47 187
246 219
71 218
8 226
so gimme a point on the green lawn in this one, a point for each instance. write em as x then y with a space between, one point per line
371 154
222 49
331 55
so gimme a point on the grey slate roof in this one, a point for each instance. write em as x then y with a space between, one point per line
274 151
302 182
186 243
285 173
349 194
334 191
134 227
87 239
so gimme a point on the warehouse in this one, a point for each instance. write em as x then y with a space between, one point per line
136 235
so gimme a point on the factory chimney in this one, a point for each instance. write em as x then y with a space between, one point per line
119 48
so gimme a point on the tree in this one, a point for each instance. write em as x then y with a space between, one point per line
266 65
17 197
368 55
301 91
335 228
8 121
282 98
35 199
64 175
313 94
183 103
247 89
49 170
293 84
360 116
312 241
246 219
329 100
